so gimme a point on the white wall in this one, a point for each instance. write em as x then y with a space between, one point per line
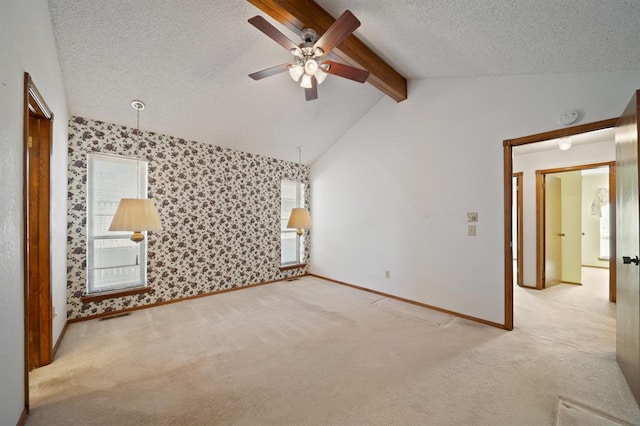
529 163
393 192
27 44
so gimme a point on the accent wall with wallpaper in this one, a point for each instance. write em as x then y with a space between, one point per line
220 211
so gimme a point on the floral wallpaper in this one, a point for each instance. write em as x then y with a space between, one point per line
220 211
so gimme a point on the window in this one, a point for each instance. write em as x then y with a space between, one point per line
291 195
604 232
114 262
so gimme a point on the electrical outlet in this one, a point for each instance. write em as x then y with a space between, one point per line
471 230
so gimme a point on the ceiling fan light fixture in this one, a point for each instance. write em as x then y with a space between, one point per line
296 71
320 75
306 81
296 51
317 52
311 66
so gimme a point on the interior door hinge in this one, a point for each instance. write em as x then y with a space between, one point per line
30 142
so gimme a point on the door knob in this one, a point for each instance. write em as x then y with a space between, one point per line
628 260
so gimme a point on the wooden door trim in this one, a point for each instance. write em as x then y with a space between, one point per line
35 108
519 228
612 233
576 168
507 150
561 133
507 153
541 239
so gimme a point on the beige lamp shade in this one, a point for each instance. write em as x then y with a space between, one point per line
137 215
299 219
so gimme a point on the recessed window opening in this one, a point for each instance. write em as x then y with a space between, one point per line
114 262
291 195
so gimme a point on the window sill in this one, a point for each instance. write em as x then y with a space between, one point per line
97 297
604 259
293 266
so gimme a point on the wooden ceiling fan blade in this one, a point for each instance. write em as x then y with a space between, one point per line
341 29
347 71
312 93
268 72
263 25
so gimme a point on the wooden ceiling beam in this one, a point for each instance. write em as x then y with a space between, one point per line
299 14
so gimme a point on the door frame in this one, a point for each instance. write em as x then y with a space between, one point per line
38 310
518 176
541 221
507 150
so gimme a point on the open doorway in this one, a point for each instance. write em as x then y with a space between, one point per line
533 142
574 224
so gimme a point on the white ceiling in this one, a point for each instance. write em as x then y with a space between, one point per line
188 60
596 136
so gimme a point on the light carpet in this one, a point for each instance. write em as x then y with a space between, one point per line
310 352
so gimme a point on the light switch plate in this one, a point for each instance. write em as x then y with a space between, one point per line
471 230
472 217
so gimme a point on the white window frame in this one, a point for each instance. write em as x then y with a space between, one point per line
137 264
285 233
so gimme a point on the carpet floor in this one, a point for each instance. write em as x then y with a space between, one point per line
310 352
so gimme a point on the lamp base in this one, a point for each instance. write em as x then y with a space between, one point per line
300 231
137 237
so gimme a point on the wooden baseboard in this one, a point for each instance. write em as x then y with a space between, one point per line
168 302
57 345
23 417
402 299
413 302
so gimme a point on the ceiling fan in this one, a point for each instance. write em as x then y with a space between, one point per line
309 66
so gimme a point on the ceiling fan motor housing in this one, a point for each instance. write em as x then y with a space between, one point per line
309 36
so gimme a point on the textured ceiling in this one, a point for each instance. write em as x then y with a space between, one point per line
188 60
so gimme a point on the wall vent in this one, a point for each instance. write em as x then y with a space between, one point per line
115 316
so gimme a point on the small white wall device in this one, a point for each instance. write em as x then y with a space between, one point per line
568 117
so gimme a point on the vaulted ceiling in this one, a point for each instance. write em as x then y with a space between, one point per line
189 60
